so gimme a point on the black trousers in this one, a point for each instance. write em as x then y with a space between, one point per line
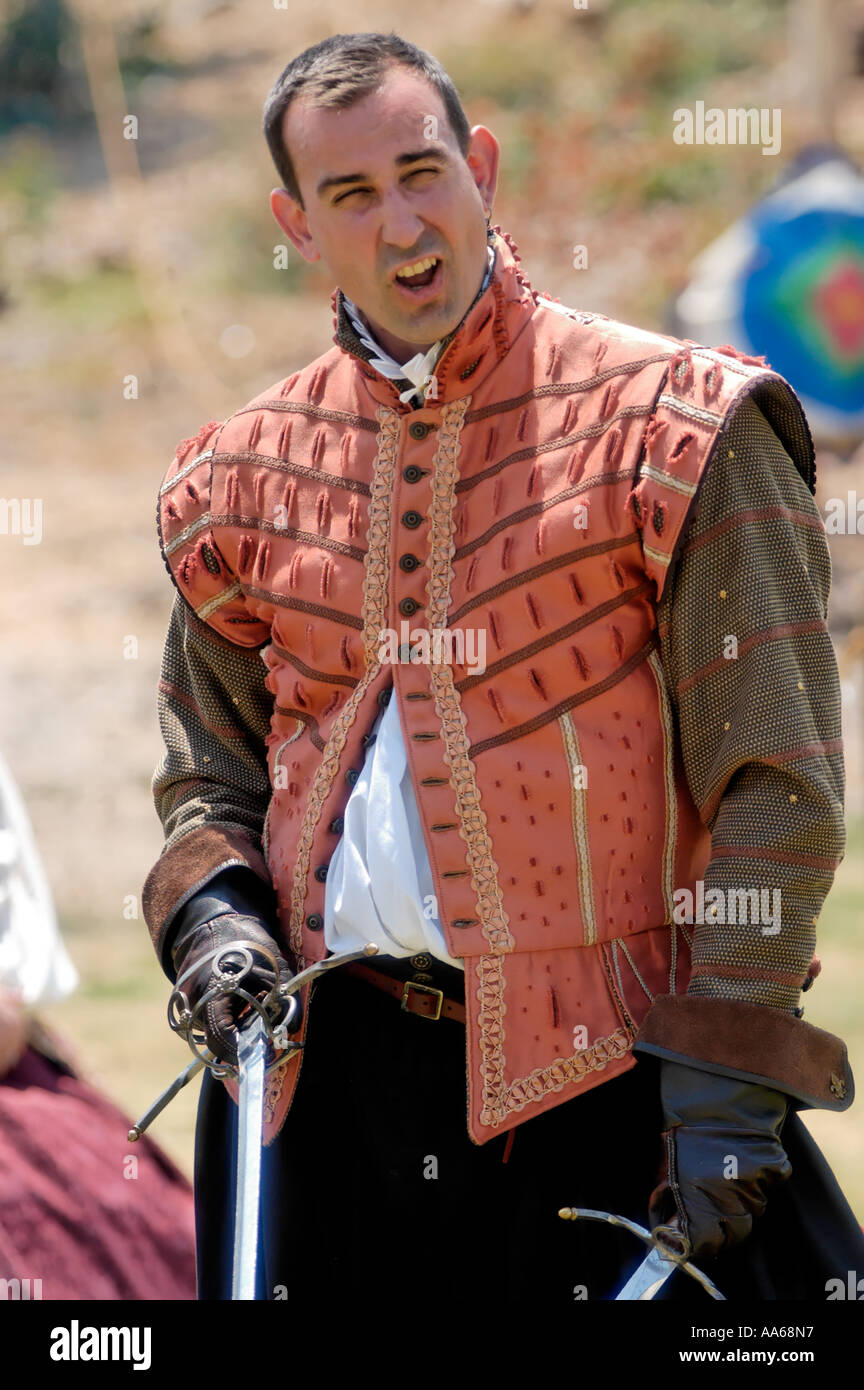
375 1198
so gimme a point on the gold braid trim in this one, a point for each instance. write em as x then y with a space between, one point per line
272 1091
298 730
501 1100
448 705
579 821
472 819
670 827
490 973
564 1072
376 567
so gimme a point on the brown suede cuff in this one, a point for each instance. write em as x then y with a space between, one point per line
187 866
753 1042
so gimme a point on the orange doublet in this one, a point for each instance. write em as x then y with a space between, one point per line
539 498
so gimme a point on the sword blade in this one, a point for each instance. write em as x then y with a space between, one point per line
648 1279
251 1059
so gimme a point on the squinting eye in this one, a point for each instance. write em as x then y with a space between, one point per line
352 192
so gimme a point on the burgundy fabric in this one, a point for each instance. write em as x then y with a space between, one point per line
68 1215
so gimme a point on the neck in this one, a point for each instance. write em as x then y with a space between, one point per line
397 348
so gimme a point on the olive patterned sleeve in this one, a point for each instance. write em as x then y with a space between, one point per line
753 680
212 786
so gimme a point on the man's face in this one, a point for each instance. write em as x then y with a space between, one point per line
385 187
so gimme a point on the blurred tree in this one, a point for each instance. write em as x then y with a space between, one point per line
42 76
33 76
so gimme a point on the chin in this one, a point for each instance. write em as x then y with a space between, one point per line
438 321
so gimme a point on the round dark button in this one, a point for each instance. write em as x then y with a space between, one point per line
351 776
337 825
321 873
368 740
418 430
408 563
384 695
408 606
315 921
412 519
406 651
412 474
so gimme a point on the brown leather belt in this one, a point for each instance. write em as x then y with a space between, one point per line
423 1000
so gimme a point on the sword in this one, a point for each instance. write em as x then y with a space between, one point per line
251 1060
655 1269
251 1069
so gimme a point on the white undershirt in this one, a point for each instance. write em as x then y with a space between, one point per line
379 882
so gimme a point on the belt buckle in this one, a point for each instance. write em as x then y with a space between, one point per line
422 989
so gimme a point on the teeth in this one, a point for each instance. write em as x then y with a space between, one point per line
416 269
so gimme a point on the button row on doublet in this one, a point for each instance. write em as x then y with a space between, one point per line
408 606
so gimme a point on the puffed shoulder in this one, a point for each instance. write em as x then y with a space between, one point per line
197 566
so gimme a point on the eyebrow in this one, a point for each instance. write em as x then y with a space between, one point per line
432 150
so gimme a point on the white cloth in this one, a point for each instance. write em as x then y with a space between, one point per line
418 369
33 959
379 882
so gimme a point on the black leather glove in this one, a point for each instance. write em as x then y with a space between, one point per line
722 1155
235 906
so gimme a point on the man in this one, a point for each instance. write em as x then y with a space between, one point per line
609 701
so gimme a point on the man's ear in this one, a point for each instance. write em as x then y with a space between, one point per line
482 158
292 219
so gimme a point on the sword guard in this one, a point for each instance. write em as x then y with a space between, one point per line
671 1243
276 1035
277 1010
663 1250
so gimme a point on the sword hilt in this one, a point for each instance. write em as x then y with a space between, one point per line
278 1009
182 1019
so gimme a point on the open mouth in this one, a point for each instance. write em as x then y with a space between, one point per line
421 275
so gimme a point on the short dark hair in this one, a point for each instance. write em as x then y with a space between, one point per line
342 70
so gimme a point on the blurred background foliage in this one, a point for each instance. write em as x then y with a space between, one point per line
599 82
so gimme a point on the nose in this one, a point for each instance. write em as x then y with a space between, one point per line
400 225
